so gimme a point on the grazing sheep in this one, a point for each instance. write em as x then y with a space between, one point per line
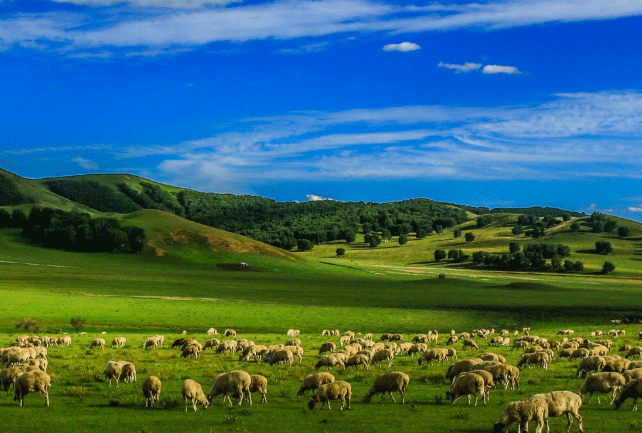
118 342
562 403
566 332
461 366
213 343
618 365
538 358
113 371
259 384
467 385
452 340
128 372
230 333
212 331
66 341
326 333
383 355
194 391
637 350
420 338
417 348
293 332
227 346
357 360
293 342
253 351
32 381
345 339
433 354
489 381
40 364
521 412
602 383
588 364
470 343
404 347
314 381
8 377
327 347
151 390
191 350
329 361
235 382
630 374
283 356
502 373
180 342
389 382
496 341
489 356
152 343
97 342
332 391
633 390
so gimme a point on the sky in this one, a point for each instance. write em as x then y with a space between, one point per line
497 103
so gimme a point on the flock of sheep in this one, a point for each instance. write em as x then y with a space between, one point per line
26 364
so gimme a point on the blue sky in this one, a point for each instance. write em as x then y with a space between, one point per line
489 103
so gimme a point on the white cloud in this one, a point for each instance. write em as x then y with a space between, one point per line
403 47
85 163
146 26
635 209
313 197
497 69
466 67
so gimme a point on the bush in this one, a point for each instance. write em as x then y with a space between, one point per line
440 255
403 239
513 247
457 233
623 232
469 237
341 252
603 247
608 267
374 241
304 244
30 325
77 323
575 226
518 230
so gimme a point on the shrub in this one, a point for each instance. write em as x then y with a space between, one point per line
341 252
603 247
403 239
30 325
304 244
608 267
469 237
77 323
623 232
457 233
440 255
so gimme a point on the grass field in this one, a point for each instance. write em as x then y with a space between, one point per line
195 284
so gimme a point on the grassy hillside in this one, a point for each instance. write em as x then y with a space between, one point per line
494 238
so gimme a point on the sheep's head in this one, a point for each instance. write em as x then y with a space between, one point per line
498 427
450 396
312 403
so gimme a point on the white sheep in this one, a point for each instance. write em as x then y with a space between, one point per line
357 360
522 412
97 342
633 389
118 342
634 351
32 381
283 356
562 403
588 364
327 347
389 382
213 343
505 374
151 390
235 382
194 391
467 385
331 360
602 383
191 350
8 377
293 332
128 372
332 391
635 373
461 366
314 381
470 343
431 355
113 370
417 348
383 355
212 331
296 351
259 384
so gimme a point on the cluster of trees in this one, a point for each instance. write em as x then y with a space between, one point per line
93 194
74 231
456 256
533 226
153 197
600 223
532 257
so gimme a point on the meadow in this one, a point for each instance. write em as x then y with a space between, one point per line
389 289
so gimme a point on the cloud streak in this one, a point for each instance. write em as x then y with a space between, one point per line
403 47
152 26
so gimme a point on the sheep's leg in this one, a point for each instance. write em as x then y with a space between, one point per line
391 396
329 407
598 399
635 404
263 398
403 396
579 420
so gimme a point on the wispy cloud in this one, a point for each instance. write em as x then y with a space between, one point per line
466 67
148 26
497 69
314 197
85 163
636 209
403 47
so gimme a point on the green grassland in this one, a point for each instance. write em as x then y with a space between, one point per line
188 277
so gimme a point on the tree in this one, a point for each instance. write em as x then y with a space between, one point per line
566 217
341 252
578 266
483 221
440 255
623 232
556 262
518 230
457 233
603 247
19 219
610 225
513 247
349 235
304 244
421 233
403 239
5 219
374 241
608 267
569 265
479 257
439 228
77 323
385 235
469 237
575 226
